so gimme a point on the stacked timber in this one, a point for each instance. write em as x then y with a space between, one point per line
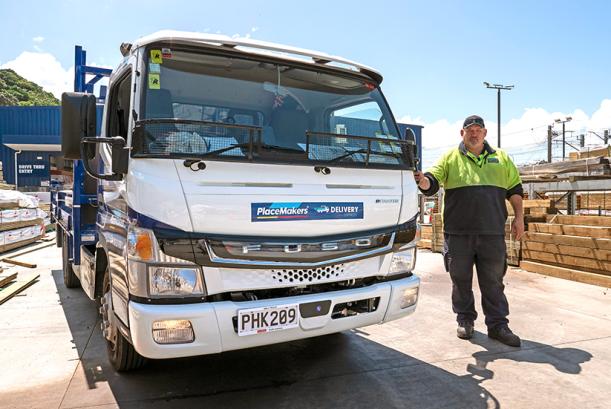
571 247
535 209
587 167
426 232
586 202
437 237
594 201
591 153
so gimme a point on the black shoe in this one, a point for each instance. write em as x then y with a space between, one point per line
464 330
503 334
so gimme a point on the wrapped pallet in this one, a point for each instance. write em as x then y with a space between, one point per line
21 221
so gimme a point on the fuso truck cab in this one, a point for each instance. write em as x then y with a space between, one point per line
241 193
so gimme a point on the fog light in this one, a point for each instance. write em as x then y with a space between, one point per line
409 297
173 332
403 261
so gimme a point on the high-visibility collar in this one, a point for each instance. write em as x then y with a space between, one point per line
479 159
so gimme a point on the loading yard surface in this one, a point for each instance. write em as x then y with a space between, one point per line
53 355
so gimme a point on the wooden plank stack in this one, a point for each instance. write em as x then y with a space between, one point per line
426 232
437 237
572 247
588 162
591 153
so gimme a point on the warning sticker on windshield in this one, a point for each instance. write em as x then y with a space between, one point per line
269 212
156 57
154 81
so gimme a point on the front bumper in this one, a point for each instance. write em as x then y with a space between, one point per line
213 322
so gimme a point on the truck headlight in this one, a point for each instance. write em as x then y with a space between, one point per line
403 261
175 281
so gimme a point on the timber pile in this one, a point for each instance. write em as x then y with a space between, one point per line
535 209
577 248
591 153
587 202
596 166
426 233
594 201
437 237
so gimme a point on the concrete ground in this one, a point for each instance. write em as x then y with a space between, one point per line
53 356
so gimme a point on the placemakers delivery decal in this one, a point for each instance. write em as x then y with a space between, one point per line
271 212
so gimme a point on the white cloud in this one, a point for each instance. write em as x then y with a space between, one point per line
38 39
43 69
254 29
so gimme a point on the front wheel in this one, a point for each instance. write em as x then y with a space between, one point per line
121 354
70 279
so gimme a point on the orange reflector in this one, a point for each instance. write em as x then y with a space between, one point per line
144 247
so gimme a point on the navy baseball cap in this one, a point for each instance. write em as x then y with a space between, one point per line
473 120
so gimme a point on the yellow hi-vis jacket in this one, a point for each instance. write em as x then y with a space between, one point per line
475 189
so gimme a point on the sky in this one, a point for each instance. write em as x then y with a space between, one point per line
434 55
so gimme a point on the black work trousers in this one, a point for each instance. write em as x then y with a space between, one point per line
488 253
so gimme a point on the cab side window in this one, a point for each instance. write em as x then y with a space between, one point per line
119 107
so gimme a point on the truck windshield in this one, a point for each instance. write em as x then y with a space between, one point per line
200 105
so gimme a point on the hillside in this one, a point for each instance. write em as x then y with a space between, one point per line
17 91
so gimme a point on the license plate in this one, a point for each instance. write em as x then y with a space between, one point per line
267 319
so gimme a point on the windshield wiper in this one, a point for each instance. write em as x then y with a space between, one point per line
338 158
226 148
247 144
281 148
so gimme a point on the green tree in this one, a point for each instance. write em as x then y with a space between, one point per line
17 91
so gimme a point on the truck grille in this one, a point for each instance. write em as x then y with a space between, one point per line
226 279
308 275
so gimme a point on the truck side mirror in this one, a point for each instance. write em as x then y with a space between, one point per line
120 156
410 137
78 121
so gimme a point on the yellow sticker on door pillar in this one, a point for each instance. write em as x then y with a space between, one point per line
154 81
156 57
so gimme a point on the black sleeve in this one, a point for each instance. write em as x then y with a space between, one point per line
434 185
516 190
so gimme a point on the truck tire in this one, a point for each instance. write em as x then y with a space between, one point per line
121 353
70 279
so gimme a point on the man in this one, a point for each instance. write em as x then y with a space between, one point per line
477 179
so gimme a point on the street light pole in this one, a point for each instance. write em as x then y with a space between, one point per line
561 121
498 88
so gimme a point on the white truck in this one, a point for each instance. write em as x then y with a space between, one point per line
241 193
